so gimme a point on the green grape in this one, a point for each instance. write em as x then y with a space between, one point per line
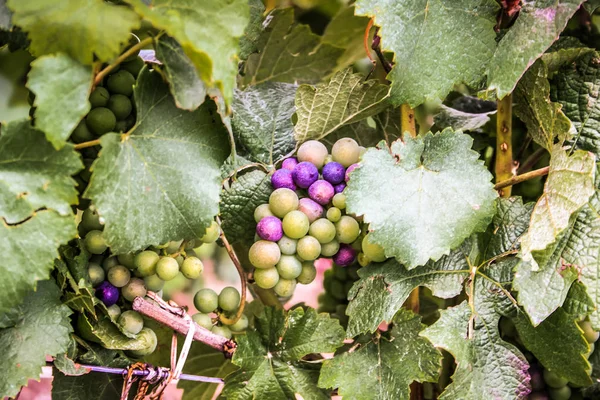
289 267
131 321
145 262
563 393
330 249
114 311
262 211
327 279
204 320
94 242
339 273
109 262
308 273
323 230
285 287
147 335
229 299
91 220
81 133
589 353
264 254
347 230
99 97
127 259
554 380
121 126
588 331
95 274
173 246
167 268
327 303
308 248
334 214
363 260
221 331
100 121
192 267
352 272
120 106
295 224
154 283
134 288
121 82
339 201
240 325
282 201
287 245
212 233
118 276
337 289
266 278
373 251
134 66
345 151
206 300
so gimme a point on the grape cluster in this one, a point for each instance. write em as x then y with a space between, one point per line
227 302
337 283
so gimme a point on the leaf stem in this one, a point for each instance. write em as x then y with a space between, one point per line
532 160
407 120
85 145
504 152
522 178
134 49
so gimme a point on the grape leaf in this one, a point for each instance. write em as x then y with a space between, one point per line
43 330
518 49
289 53
569 185
62 86
565 51
578 303
442 182
253 29
248 191
383 288
81 29
207 31
449 117
431 53
570 362
543 118
34 175
65 361
345 99
105 332
270 356
186 87
138 178
385 368
94 385
347 31
262 121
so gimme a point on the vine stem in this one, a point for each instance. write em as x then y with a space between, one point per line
241 272
407 120
134 49
522 178
85 145
504 166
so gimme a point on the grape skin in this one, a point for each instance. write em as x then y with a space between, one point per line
266 278
229 299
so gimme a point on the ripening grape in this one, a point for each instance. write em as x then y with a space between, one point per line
287 245
107 293
345 256
192 267
330 249
90 220
126 259
266 278
282 201
363 260
554 380
282 178
289 267
131 321
270 228
339 188
229 299
167 268
109 262
204 320
121 82
100 121
373 251
310 208
334 214
118 276
221 331
212 233
334 173
94 242
588 331
285 287
289 163
145 262
295 224
321 191
308 273
82 133
261 212
147 336
95 274
345 151
323 230
206 300
314 152
134 66
308 248
120 106
240 325
305 174
134 288
339 201
154 283
563 393
264 254
114 311
347 230
99 97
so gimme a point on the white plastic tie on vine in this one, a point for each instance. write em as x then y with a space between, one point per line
186 346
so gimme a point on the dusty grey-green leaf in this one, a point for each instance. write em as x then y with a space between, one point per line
253 29
449 117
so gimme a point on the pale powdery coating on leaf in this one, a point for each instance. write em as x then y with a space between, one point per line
424 197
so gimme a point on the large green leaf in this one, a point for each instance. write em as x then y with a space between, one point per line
208 31
441 182
345 99
384 368
262 121
81 29
42 330
160 182
270 356
437 43
94 385
253 29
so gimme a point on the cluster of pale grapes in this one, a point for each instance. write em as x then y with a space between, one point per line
227 302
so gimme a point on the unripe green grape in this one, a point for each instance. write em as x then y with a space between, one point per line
90 219
154 283
145 262
206 300
121 82
314 152
347 230
363 260
134 288
126 259
345 151
109 262
592 348
323 230
287 245
167 268
373 251
204 320
120 106
172 246
295 224
131 321
229 299
308 248
337 289
134 66
262 211
99 97
221 331
308 273
94 242
100 121
553 380
330 249
240 325
96 274
285 287
334 214
282 201
588 331
81 133
339 201
289 267
114 311
266 278
339 273
563 393
192 267
148 336
212 233
118 276
264 254
327 303
352 272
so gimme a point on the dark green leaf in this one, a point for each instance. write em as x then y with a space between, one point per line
94 385
253 30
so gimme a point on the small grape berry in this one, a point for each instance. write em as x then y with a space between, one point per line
345 256
289 163
270 228
107 293
282 178
311 209
305 174
321 191
339 188
334 173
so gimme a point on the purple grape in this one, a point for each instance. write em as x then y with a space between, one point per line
349 171
321 191
334 172
339 188
311 209
305 174
289 163
345 255
270 228
282 178
107 293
